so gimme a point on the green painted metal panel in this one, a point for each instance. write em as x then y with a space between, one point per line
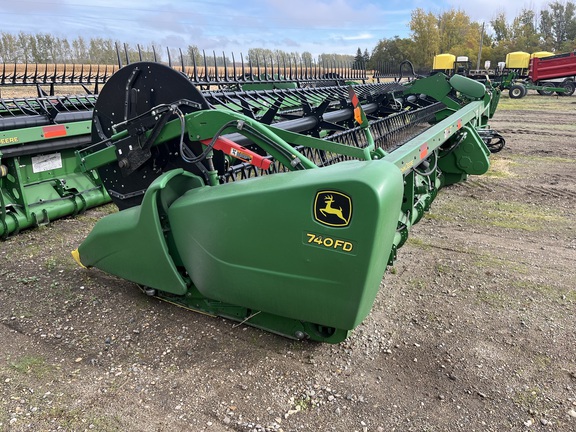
258 243
131 243
42 187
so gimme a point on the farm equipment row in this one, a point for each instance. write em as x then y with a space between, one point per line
279 208
545 72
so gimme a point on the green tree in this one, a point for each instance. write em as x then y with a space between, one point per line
8 48
562 16
546 32
80 50
524 32
194 55
334 60
307 58
501 28
358 60
454 27
103 51
257 56
426 36
391 52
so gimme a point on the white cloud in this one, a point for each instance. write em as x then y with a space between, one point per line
362 36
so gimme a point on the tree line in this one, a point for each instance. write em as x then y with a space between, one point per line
551 29
47 48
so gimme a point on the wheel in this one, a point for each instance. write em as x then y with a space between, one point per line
569 87
517 91
546 92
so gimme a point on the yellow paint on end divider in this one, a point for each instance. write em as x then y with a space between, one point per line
76 256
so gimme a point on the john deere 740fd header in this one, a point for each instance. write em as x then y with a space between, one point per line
279 207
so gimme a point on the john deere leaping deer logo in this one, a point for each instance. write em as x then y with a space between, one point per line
333 208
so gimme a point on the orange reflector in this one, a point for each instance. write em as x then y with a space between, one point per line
54 131
423 151
358 115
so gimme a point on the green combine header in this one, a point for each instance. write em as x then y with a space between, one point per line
40 179
277 207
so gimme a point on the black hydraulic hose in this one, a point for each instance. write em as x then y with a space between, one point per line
308 123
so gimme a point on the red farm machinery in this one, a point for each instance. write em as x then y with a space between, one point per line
543 71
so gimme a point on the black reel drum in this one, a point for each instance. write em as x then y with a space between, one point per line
126 102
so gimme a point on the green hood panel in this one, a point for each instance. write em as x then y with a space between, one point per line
310 245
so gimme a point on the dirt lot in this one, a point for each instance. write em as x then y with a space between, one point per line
473 329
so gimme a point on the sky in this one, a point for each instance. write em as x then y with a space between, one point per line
315 26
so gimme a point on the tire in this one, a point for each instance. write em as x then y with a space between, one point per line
569 87
546 92
517 91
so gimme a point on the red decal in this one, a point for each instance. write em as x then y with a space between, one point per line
459 124
355 100
423 151
54 131
242 153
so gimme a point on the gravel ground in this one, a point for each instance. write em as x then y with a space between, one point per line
473 328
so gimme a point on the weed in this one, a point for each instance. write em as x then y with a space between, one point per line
503 214
51 263
500 168
571 296
543 159
542 289
542 361
32 365
495 299
419 283
492 261
413 241
302 403
28 280
527 398
442 268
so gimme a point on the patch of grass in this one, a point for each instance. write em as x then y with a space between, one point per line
442 268
433 215
419 243
500 168
492 298
527 398
518 216
419 283
535 102
302 403
68 418
496 262
543 159
28 280
32 365
544 290
571 296
51 263
502 214
542 361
